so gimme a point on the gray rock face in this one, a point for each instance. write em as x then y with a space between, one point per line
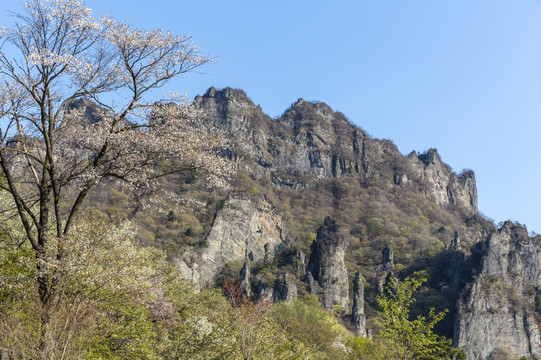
91 110
285 288
313 286
300 259
387 255
302 141
441 184
310 141
357 313
264 292
244 278
499 311
189 273
385 269
326 274
245 228
456 260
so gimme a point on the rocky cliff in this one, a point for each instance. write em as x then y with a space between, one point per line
245 228
441 184
310 141
311 162
385 269
309 144
358 317
285 288
499 310
326 273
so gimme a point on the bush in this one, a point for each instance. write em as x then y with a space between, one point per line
308 321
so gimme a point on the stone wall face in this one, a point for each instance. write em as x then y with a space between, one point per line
499 310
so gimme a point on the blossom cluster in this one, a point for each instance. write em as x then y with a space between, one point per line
60 55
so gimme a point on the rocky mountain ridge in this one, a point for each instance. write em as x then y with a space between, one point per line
311 141
500 308
319 207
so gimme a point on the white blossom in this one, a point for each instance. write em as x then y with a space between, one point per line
57 63
201 326
59 54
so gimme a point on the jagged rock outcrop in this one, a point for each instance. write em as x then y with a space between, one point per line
285 288
299 259
246 228
308 145
385 269
91 111
264 291
310 141
441 184
190 273
326 274
456 259
244 279
357 313
499 310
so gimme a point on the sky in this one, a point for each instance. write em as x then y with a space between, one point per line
461 76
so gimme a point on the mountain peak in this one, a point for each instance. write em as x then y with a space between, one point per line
311 106
430 157
226 94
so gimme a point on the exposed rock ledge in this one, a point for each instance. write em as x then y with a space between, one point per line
499 311
246 228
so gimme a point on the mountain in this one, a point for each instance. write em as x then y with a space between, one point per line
311 142
320 207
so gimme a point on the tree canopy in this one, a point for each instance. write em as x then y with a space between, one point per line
411 339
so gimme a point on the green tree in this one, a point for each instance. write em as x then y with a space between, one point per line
106 289
364 348
410 339
307 321
118 300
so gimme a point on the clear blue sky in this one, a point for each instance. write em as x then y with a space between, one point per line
459 75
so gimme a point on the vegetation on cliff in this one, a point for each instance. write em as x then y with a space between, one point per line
104 205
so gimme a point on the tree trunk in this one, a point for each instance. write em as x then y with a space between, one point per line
43 350
46 297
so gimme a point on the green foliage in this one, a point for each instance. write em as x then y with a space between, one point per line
338 311
189 221
17 270
171 216
100 309
122 301
308 321
366 349
410 339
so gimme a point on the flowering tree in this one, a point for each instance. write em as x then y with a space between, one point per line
114 300
105 285
51 155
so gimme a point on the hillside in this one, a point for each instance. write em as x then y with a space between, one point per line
316 200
